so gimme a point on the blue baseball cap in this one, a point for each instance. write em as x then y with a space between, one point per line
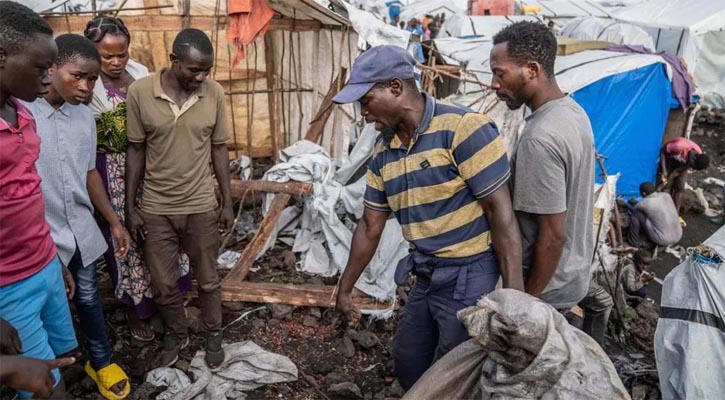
378 64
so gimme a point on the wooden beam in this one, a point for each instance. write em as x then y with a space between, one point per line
174 23
296 295
257 152
317 126
249 255
239 187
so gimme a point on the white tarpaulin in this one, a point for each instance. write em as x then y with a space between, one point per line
593 28
324 233
246 367
562 11
373 31
419 8
480 25
690 338
521 348
691 29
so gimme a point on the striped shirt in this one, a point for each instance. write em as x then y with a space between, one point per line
456 157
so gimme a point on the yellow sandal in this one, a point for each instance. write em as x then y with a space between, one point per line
108 376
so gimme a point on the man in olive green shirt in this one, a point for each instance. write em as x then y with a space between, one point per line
176 125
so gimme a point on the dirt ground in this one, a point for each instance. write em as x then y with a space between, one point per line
327 353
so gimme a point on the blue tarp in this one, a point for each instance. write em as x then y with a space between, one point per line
629 126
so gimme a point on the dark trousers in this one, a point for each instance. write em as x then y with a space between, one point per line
429 327
90 312
597 306
638 236
198 236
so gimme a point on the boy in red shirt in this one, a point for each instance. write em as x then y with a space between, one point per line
32 295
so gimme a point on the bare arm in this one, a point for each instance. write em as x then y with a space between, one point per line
505 236
99 198
220 163
547 251
365 241
135 161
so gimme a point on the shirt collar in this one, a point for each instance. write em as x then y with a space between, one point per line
47 110
159 90
428 113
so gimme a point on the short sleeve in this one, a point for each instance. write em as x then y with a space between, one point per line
221 127
134 127
540 181
375 197
480 154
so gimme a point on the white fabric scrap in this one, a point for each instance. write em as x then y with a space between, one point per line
246 367
325 228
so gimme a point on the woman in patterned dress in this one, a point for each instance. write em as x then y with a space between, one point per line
130 277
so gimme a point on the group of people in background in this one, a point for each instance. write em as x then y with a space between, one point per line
100 161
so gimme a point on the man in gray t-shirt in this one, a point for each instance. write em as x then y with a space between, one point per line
553 175
553 179
553 183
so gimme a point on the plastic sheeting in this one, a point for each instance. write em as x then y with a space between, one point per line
324 233
419 8
691 29
246 367
373 31
690 337
628 126
482 26
521 348
593 28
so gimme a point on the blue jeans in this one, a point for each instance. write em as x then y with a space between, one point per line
429 327
90 312
37 308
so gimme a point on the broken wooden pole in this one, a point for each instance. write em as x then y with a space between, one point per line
292 187
245 261
296 295
317 126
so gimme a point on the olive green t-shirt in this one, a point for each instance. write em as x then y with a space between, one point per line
178 139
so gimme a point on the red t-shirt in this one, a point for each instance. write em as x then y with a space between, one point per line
25 242
679 148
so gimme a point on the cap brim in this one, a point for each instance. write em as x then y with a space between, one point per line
352 92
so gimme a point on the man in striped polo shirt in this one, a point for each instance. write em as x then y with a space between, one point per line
442 171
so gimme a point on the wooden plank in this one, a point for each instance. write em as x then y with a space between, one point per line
317 126
566 45
297 295
241 267
173 23
239 187
257 152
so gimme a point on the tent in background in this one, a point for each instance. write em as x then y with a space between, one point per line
693 30
418 9
593 28
461 25
562 11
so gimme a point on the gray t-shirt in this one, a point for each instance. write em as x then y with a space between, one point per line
554 173
663 222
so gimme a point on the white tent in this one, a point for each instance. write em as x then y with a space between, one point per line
593 28
483 26
420 8
562 11
693 30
